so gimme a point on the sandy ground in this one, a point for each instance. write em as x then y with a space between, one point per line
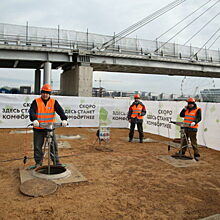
128 183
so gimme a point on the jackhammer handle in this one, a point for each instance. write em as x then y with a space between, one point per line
60 124
173 122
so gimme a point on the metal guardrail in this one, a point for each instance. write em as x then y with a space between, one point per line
61 44
72 45
88 46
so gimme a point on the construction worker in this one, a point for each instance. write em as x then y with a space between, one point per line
135 116
192 116
43 110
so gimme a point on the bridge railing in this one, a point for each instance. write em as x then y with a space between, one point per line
44 42
68 39
62 44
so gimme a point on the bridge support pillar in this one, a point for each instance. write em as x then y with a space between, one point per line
77 81
47 73
37 81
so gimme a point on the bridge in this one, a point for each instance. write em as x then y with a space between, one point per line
81 53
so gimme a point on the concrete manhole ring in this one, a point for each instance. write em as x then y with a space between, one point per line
38 187
56 172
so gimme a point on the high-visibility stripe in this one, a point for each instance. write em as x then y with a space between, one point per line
45 113
190 116
45 119
189 120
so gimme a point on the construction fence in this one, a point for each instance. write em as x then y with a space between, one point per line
95 112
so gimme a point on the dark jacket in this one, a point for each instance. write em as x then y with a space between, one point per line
130 111
198 116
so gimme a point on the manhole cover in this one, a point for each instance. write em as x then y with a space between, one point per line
55 172
38 187
177 162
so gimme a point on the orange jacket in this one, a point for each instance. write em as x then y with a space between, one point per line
190 117
136 111
45 113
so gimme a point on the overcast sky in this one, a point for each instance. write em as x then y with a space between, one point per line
109 17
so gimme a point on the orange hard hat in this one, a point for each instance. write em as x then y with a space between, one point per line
46 88
191 100
136 96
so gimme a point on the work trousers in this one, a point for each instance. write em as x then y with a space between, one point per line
39 138
140 130
192 136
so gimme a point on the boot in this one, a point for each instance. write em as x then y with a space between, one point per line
196 157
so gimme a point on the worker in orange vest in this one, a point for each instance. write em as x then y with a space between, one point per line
192 116
135 116
43 110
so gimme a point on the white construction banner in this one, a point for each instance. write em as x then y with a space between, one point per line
95 112
158 117
113 112
160 113
14 110
81 111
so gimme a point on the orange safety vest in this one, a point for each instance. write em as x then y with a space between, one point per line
136 111
45 113
191 117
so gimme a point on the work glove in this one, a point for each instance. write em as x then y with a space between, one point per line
193 124
64 123
36 123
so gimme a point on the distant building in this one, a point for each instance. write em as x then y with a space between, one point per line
55 92
144 94
174 96
15 91
116 94
181 98
98 92
164 97
4 90
210 95
128 94
207 95
7 89
25 89
153 96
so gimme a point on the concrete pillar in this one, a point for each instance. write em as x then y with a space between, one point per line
77 81
47 73
37 81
